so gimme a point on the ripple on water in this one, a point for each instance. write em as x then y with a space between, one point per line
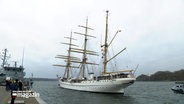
138 93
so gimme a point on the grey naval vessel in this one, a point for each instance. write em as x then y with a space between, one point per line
8 71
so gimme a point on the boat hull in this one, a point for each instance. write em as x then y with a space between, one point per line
102 86
178 88
178 91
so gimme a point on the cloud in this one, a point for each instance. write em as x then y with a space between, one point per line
152 31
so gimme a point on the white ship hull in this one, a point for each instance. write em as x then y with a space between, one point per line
102 86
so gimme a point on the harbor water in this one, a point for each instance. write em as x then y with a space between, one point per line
138 93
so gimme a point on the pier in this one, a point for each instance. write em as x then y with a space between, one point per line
5 98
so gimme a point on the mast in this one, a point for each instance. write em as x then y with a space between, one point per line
84 51
68 58
67 70
68 61
23 58
71 59
4 56
106 44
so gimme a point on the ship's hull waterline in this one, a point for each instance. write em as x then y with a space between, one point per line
101 86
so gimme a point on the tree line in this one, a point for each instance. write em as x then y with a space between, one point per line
163 76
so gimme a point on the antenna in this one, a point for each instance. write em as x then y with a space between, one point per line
31 75
4 57
23 57
136 68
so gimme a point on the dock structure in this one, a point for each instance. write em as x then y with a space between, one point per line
5 98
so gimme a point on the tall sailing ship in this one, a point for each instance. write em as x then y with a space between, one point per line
107 82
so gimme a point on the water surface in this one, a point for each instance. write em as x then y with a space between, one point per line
138 93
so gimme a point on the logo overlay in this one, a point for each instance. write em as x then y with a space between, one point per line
25 94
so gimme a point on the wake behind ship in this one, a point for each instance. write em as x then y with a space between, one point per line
107 82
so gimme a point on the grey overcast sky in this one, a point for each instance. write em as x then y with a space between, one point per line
152 32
